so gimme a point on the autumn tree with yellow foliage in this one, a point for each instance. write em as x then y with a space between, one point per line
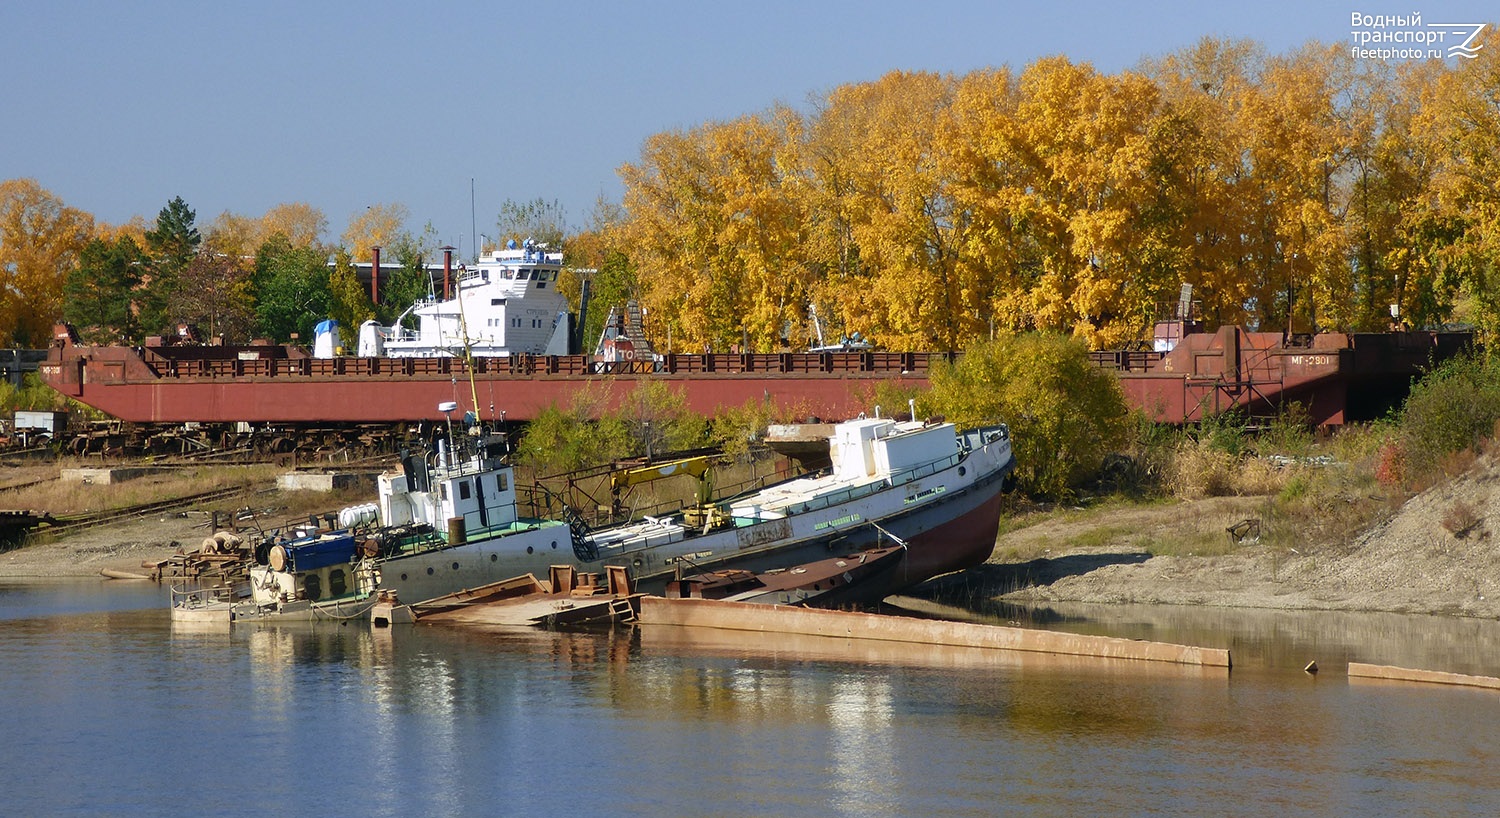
720 237
1297 192
41 239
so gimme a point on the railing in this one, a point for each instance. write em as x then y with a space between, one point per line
1126 360
195 598
527 365
899 478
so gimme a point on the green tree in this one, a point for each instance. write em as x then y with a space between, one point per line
170 247
291 289
219 299
596 254
559 440
612 284
349 303
659 420
738 430
411 282
99 294
1065 413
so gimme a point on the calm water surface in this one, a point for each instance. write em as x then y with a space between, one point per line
110 709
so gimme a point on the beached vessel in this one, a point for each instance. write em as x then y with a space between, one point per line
449 519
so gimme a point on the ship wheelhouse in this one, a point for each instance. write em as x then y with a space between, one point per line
506 303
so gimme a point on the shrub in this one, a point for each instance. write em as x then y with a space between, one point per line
1461 518
1065 413
33 395
1225 432
1390 465
737 430
1290 432
1294 490
1451 409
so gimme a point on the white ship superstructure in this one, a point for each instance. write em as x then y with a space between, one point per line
507 303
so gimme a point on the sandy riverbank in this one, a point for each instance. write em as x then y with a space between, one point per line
1410 562
119 547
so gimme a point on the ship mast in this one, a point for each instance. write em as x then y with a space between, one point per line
463 328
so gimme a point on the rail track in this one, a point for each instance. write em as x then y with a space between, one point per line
63 525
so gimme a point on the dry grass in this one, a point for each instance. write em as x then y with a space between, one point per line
1307 505
1197 471
63 498
1122 525
1457 463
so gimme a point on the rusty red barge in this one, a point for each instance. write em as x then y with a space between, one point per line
1337 378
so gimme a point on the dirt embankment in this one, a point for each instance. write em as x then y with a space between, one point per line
1435 554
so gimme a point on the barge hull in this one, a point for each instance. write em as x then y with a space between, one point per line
1336 377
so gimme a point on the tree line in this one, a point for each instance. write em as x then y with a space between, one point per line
238 278
1294 192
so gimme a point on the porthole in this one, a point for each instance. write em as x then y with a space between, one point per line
530 550
554 545
455 566
337 584
494 557
429 572
962 471
403 577
312 587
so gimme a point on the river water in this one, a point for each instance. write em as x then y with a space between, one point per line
107 708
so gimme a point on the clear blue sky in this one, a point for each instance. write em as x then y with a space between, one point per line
118 107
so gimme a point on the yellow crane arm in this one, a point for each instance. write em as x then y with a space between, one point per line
695 466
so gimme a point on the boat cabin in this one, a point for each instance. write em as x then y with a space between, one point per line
864 448
506 303
460 491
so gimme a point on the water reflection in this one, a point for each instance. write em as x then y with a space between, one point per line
434 720
861 722
1274 640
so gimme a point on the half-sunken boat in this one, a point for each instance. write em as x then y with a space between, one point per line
824 583
449 520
